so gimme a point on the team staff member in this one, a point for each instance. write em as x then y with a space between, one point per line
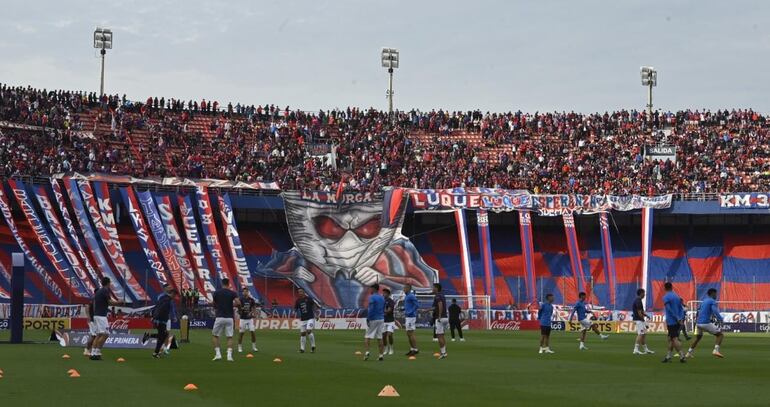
410 321
246 314
455 320
545 315
161 315
305 308
390 322
441 322
641 326
225 300
102 303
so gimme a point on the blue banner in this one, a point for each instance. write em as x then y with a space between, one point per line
234 241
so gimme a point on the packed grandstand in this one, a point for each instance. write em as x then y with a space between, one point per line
46 132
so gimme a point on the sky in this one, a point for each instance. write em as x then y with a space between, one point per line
550 55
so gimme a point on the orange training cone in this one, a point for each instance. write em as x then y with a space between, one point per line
75 373
412 357
191 387
71 371
65 356
388 391
120 360
358 353
249 356
277 360
436 354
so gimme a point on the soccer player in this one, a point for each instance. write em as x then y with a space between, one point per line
442 322
91 326
674 314
410 321
545 315
375 320
585 321
708 312
455 320
225 300
305 308
390 322
641 326
102 303
161 316
247 313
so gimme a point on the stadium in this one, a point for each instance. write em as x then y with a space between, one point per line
193 246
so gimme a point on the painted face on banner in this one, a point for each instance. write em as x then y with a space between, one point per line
338 239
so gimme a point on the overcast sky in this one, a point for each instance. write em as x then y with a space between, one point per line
493 55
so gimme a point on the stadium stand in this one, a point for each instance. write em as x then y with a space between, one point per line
48 132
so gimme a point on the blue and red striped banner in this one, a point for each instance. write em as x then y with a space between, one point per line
607 257
646 250
233 239
527 255
465 254
574 253
485 244
143 235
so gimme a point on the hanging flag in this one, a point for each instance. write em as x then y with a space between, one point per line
102 264
528 256
608 258
97 201
465 253
574 253
209 227
61 238
485 243
646 249
72 234
143 233
165 246
166 212
234 241
46 244
194 243
49 282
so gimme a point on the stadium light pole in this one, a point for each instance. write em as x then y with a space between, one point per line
103 42
389 57
649 79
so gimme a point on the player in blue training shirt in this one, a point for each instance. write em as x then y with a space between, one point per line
545 315
674 316
585 321
410 320
375 320
707 314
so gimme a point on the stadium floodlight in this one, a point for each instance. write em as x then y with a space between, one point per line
649 79
103 42
389 57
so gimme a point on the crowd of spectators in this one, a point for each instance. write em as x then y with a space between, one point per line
47 132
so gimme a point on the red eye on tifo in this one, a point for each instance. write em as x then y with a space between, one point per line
328 228
370 229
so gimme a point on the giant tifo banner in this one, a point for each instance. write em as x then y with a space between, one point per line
500 200
345 242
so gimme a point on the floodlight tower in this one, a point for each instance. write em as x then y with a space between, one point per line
649 79
102 41
389 57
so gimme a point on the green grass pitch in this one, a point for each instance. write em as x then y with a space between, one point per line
490 369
